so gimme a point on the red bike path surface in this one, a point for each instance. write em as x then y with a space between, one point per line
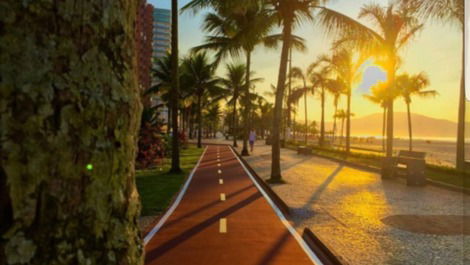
203 228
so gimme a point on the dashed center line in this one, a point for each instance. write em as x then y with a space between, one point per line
218 164
219 171
223 225
222 197
221 181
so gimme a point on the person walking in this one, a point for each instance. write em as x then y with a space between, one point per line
252 139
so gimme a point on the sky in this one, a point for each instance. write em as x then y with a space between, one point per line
436 51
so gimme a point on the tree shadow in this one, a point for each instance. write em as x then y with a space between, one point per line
186 235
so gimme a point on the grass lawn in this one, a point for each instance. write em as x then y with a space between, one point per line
157 187
433 172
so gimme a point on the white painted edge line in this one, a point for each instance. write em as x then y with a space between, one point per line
314 258
175 204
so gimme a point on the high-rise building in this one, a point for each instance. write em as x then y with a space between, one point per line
161 46
144 50
161 32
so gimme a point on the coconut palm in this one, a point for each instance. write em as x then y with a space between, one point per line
212 117
409 86
450 12
394 27
293 99
198 73
175 79
297 73
336 87
320 80
234 82
378 96
289 13
346 68
237 32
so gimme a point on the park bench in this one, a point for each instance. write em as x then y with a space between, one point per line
304 150
412 165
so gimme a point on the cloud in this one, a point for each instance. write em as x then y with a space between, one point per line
371 76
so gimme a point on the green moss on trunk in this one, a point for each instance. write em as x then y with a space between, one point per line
68 98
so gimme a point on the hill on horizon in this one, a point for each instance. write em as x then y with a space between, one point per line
422 126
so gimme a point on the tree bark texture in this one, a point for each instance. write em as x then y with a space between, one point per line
69 118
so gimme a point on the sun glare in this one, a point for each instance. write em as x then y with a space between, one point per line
371 74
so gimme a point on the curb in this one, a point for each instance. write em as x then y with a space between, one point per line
325 254
328 256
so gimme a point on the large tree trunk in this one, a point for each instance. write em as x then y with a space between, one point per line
322 125
277 117
175 152
69 113
460 161
348 121
199 120
246 130
410 133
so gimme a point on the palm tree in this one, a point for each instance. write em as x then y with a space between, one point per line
409 86
450 12
199 74
347 70
162 71
394 27
234 81
213 117
289 13
321 80
175 78
293 99
236 32
336 87
378 96
296 72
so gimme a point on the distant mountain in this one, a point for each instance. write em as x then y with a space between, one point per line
423 126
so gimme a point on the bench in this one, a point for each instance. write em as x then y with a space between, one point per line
304 150
412 165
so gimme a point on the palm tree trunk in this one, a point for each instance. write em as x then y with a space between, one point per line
246 130
348 122
294 127
63 200
322 123
334 124
342 131
168 123
277 117
234 123
384 127
306 120
289 104
410 133
199 120
460 156
175 152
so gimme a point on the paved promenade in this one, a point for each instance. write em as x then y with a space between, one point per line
367 220
223 219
